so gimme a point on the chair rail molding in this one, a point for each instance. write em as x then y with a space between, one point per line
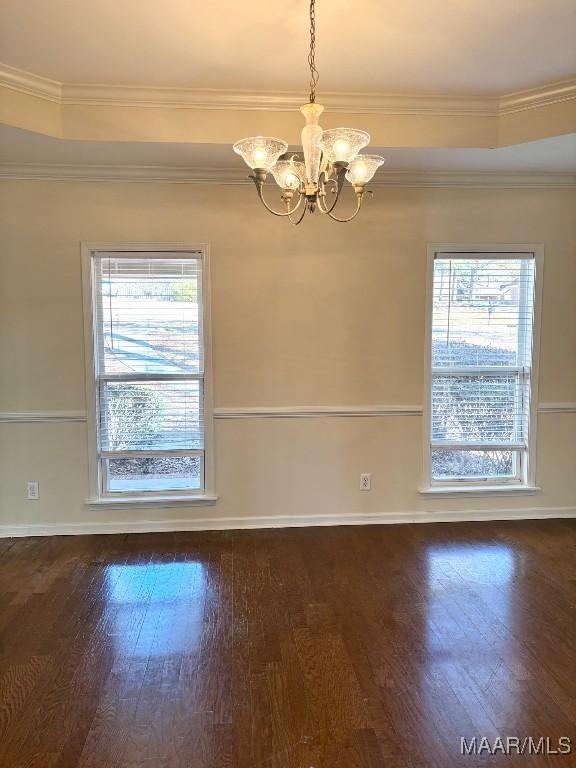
31 417
557 408
316 411
268 412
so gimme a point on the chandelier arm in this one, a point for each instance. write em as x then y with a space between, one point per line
259 185
292 211
359 199
295 223
339 183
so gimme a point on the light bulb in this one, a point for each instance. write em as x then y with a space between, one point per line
291 181
260 157
363 168
288 174
341 149
343 144
260 151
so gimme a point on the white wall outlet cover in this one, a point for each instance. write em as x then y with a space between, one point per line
365 481
32 490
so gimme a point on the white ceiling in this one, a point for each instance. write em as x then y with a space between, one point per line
464 46
556 154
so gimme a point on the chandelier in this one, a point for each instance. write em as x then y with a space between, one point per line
328 158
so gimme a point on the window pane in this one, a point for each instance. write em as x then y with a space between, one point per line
456 465
154 473
151 416
482 321
476 408
481 309
148 312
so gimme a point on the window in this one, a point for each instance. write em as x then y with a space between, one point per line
150 392
481 353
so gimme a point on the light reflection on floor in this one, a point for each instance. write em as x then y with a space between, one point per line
156 609
472 659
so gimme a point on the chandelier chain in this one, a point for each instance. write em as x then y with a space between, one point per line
311 56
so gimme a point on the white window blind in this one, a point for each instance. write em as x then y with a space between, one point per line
481 356
149 367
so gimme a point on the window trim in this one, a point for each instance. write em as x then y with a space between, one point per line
96 496
526 483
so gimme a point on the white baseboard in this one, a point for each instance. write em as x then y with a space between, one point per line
301 521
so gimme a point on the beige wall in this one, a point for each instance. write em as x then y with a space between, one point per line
324 314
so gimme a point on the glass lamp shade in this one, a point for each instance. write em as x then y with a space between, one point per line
288 174
343 144
363 168
260 151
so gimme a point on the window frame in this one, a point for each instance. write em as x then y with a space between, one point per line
96 459
525 476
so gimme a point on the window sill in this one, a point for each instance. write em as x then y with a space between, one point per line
481 490
206 499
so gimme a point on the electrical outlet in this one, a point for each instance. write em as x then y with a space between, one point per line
32 491
365 482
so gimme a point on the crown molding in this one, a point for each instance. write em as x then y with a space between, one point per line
351 103
476 179
30 84
238 176
533 98
123 173
274 101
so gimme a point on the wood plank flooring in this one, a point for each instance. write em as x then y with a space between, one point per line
356 647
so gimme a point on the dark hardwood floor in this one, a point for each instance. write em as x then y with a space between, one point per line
357 647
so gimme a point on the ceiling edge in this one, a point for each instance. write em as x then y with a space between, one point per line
182 175
360 103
